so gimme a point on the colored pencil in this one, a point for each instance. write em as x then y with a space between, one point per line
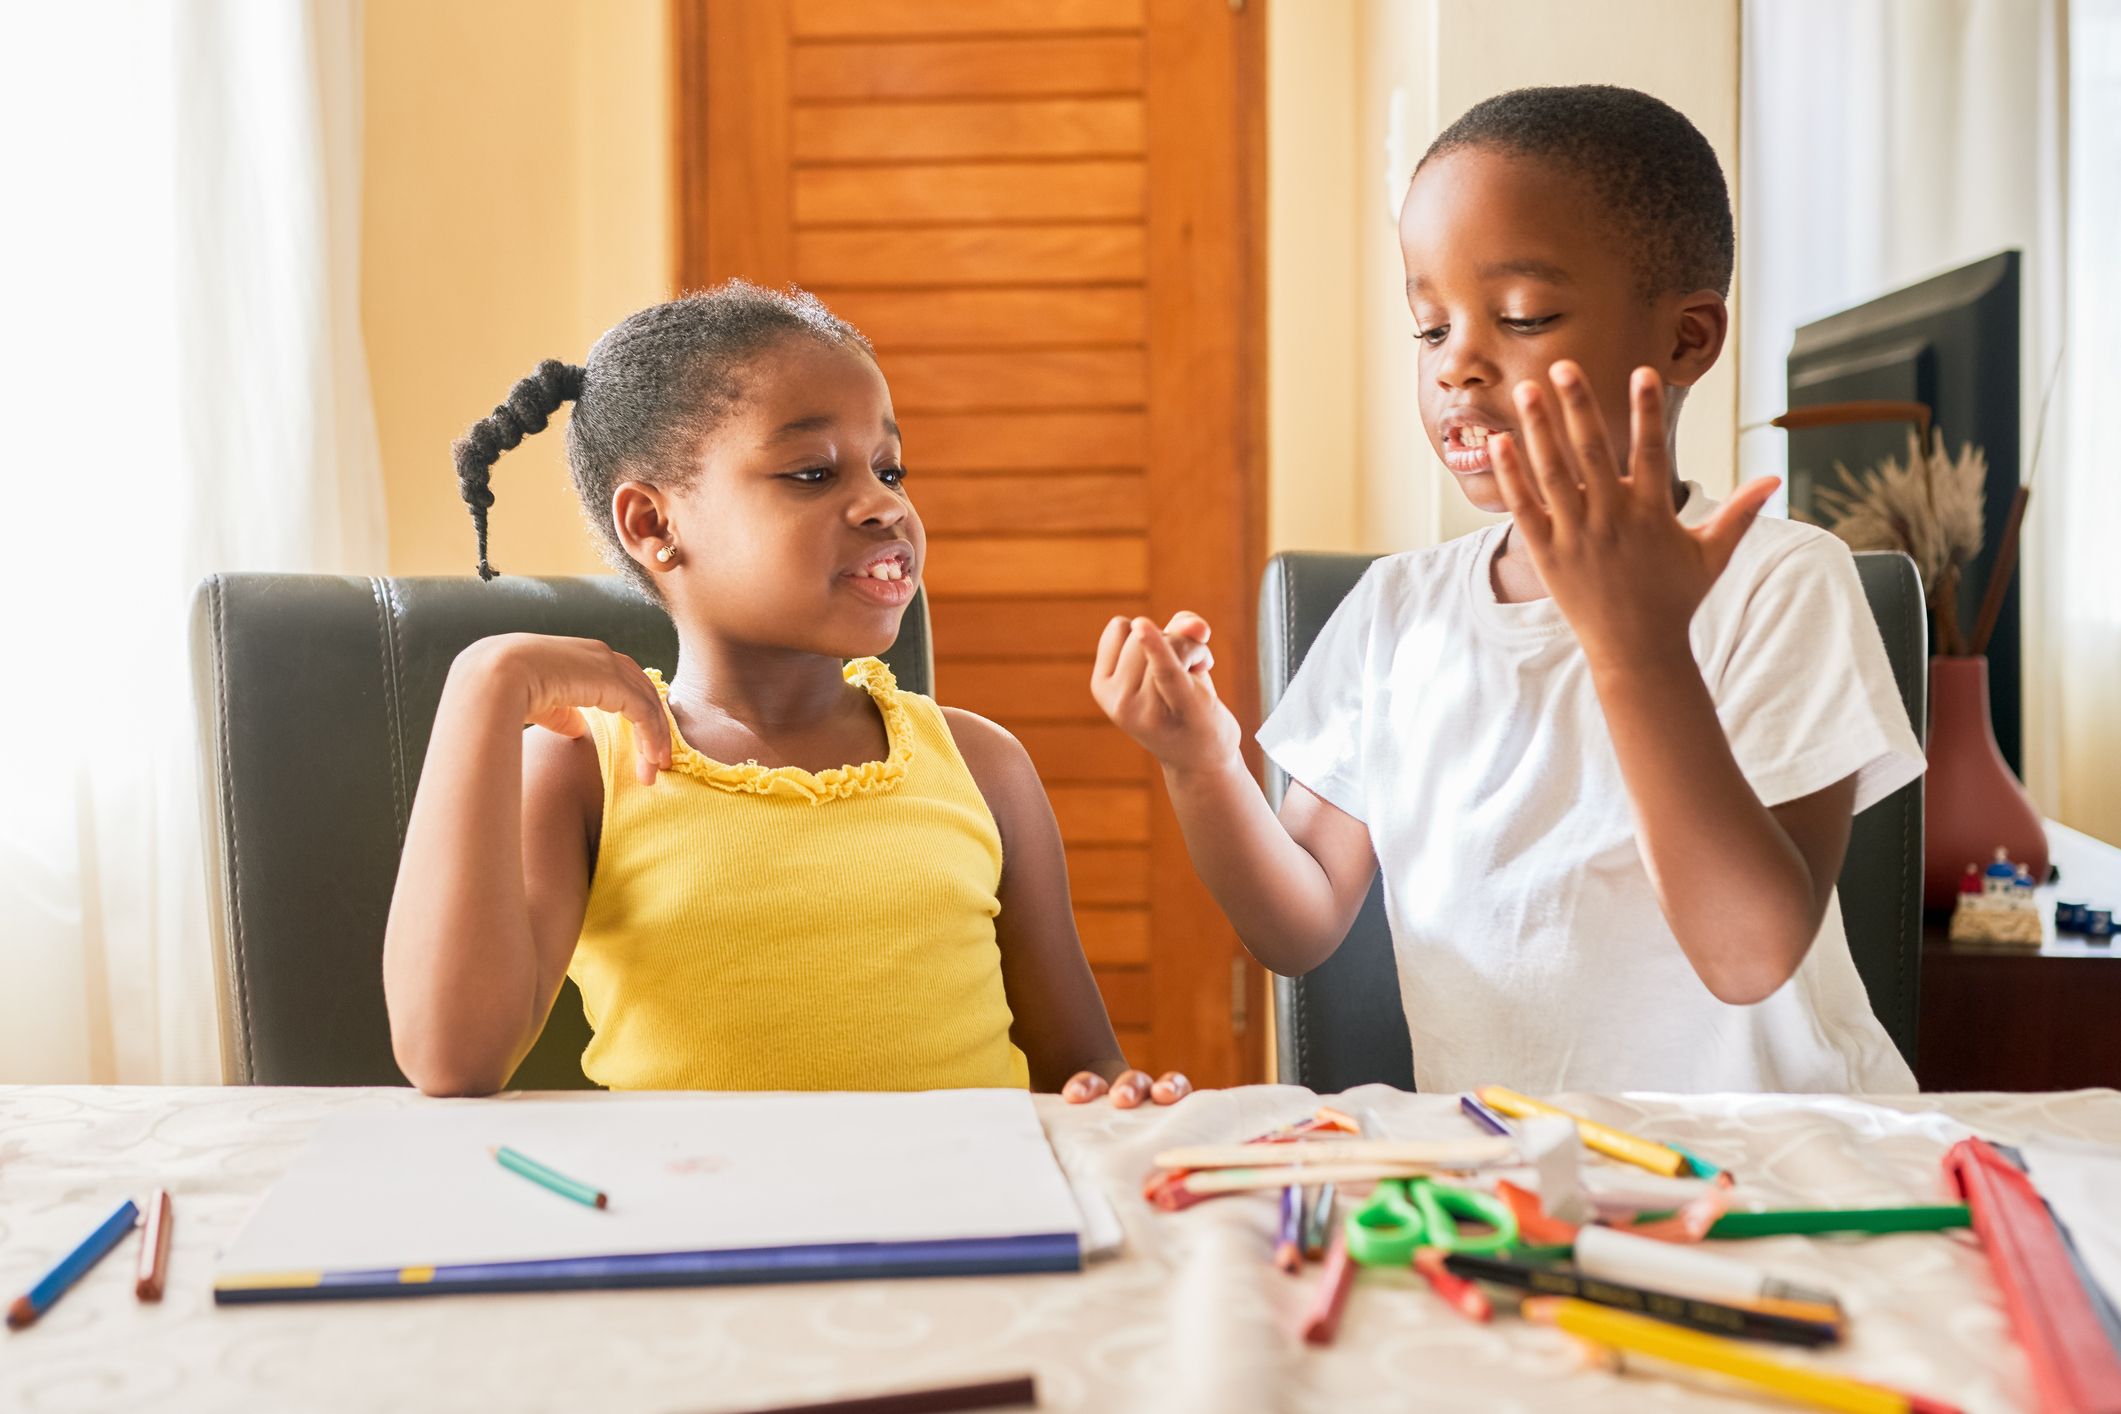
1326 1120
1289 1250
1318 1225
1018 1393
1323 1319
1185 1192
1435 1153
1481 1115
588 1195
1639 1335
73 1266
1464 1295
149 1276
1819 1325
1613 1143
1926 1217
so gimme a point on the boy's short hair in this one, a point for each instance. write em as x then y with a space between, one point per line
1645 160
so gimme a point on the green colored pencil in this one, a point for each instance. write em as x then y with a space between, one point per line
560 1183
1928 1217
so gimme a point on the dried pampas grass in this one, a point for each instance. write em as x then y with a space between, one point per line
1929 508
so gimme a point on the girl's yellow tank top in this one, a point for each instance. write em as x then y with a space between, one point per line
769 928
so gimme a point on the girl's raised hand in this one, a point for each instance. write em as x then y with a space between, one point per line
1128 1090
553 678
1155 686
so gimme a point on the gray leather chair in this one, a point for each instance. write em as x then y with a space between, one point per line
316 696
1341 1024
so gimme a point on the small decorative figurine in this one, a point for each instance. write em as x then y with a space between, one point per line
1996 905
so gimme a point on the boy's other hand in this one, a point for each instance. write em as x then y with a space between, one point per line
1155 685
1609 545
1128 1090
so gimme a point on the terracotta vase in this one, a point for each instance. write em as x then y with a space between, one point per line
1972 804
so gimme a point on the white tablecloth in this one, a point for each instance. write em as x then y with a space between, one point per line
1191 1317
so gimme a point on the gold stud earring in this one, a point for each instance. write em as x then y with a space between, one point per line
665 555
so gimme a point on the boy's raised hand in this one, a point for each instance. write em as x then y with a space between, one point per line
1608 543
1155 686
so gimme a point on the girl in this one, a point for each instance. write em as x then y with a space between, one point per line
741 907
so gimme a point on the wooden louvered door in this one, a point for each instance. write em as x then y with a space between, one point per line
1046 215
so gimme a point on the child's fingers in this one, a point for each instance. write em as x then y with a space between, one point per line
1108 645
1083 1087
1734 518
567 721
1133 668
651 726
1170 1088
1187 624
1649 457
1511 478
1130 1089
1552 465
1194 657
1586 429
1173 683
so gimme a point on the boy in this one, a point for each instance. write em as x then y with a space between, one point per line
1606 753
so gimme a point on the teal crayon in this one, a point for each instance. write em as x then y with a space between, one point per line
73 1266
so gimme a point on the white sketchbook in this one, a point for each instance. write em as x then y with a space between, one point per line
702 1188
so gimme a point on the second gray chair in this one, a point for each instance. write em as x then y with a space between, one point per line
1341 1024
316 696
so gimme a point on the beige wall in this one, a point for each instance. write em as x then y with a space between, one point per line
1314 295
516 204
1335 67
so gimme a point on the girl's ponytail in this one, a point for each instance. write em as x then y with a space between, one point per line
531 404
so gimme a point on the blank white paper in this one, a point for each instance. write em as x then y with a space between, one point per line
695 1173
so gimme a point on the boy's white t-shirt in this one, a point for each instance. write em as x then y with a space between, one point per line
1466 734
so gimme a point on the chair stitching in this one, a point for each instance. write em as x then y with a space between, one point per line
1904 1003
233 879
386 646
1284 652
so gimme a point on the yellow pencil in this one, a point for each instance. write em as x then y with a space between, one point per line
1642 1335
1613 1143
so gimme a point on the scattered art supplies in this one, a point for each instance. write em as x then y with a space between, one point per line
1623 1271
700 1189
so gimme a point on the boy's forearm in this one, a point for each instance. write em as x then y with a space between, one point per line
1273 891
1734 887
460 969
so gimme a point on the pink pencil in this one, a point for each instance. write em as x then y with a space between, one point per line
1324 1317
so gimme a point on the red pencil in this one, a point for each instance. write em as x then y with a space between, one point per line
154 1248
1467 1296
1324 1317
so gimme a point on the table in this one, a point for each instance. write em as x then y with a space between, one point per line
1190 1317
1999 1017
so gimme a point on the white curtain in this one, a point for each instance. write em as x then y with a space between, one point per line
187 393
1884 141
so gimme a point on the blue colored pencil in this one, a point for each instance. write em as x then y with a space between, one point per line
1481 1115
73 1266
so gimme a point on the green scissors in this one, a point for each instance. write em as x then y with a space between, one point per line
1404 1214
